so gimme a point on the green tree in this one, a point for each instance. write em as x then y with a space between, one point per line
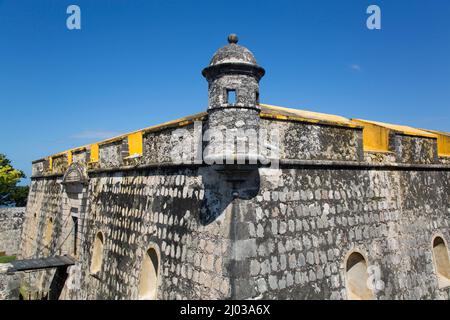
9 177
20 195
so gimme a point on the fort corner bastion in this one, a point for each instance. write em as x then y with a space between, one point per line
302 206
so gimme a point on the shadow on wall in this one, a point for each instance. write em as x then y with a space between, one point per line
57 284
213 191
222 186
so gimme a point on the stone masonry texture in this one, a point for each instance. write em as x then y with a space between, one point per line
240 231
11 220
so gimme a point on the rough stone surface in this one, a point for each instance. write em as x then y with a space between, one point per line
11 220
243 232
9 286
316 142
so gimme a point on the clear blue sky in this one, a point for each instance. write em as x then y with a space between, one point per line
138 63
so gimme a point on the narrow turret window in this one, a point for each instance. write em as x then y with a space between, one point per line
231 96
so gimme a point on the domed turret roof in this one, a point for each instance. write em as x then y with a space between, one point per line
233 60
233 53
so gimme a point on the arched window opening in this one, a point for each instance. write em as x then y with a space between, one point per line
442 263
97 254
356 278
148 281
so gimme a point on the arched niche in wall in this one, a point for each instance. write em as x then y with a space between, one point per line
97 254
148 279
356 278
441 262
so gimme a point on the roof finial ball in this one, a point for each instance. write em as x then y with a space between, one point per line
233 38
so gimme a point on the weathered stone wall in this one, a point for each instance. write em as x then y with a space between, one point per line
80 156
9 286
289 240
167 209
246 88
159 146
43 218
11 220
111 155
142 225
411 149
306 222
59 164
316 142
286 235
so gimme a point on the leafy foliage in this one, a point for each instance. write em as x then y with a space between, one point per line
9 177
19 195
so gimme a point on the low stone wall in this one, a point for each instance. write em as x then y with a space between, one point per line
11 220
9 286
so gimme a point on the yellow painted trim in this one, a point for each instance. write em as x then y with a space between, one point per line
443 145
170 124
111 140
69 157
375 137
375 134
406 130
50 163
182 122
281 113
135 143
175 123
60 154
94 153
79 149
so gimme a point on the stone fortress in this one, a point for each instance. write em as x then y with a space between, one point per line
326 208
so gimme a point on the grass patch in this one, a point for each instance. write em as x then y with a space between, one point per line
7 259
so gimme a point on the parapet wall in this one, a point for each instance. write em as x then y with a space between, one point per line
301 136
